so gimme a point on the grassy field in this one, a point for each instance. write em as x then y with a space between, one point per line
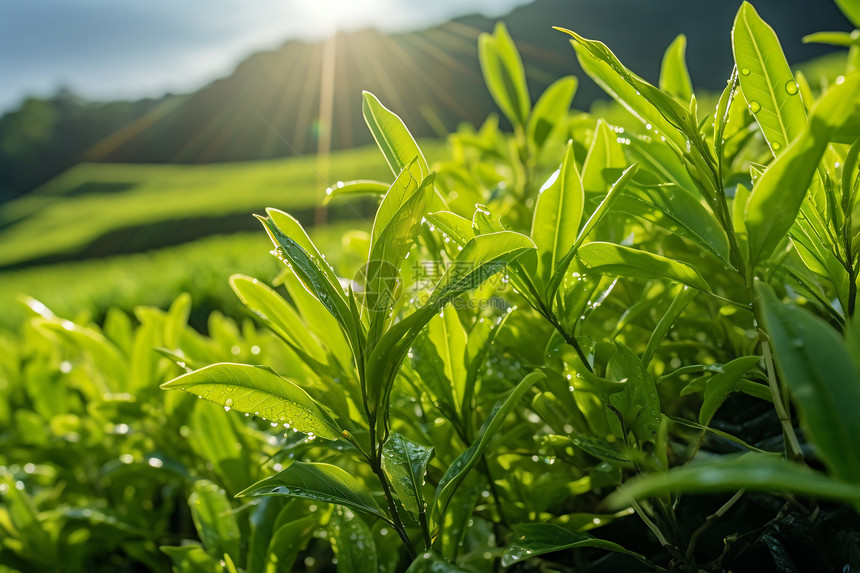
104 209
87 289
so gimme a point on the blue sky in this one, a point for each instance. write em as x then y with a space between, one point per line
107 49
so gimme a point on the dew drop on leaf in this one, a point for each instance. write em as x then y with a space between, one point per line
791 87
745 71
775 145
755 107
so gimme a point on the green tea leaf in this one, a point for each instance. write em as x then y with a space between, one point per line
659 112
778 194
754 472
453 225
723 383
259 391
851 9
600 212
557 214
680 212
405 462
766 80
430 562
352 188
214 520
616 260
549 110
504 74
392 136
276 313
318 482
605 157
311 269
824 379
674 77
459 469
352 542
535 539
481 258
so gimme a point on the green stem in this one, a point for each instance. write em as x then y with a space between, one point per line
708 522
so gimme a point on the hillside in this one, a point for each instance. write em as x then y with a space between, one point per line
270 105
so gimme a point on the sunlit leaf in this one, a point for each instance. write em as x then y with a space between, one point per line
617 260
674 77
318 482
391 135
259 391
766 80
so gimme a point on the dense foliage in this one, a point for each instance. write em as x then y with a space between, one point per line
582 345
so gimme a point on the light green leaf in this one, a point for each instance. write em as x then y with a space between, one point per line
534 539
276 313
504 74
557 215
313 271
481 258
430 562
658 111
616 260
259 391
214 520
191 559
352 543
824 379
290 539
391 135
405 462
353 188
395 229
851 9
779 193
550 108
674 77
754 472
601 211
605 157
766 80
318 482
453 225
720 385
459 469
680 212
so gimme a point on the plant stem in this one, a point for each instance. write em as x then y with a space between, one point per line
392 507
792 446
708 521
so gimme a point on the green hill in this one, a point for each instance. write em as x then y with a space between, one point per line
96 210
271 105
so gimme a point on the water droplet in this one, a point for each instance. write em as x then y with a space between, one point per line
228 402
745 71
775 145
755 107
791 87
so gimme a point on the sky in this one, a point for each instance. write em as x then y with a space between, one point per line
128 49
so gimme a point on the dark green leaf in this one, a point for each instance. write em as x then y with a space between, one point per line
318 482
755 472
824 379
405 462
534 539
